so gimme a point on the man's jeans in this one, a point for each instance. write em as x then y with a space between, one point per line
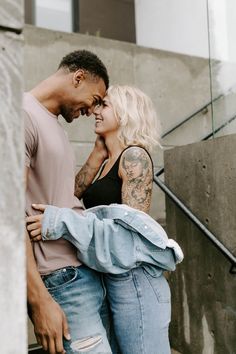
141 311
80 293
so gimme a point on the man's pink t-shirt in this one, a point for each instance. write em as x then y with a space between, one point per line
51 178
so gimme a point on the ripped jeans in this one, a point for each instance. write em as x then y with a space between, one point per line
80 293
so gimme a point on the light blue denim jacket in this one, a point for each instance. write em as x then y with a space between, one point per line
114 238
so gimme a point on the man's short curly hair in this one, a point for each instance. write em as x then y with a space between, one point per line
83 59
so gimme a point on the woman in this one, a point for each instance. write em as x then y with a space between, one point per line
139 299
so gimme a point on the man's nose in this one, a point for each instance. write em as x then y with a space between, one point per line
89 111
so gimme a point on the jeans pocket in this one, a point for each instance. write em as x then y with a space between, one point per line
160 287
60 278
122 276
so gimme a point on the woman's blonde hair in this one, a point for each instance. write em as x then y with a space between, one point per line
137 117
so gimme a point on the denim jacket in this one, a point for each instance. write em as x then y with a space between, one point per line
113 238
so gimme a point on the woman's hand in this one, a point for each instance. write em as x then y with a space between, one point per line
100 149
34 223
91 167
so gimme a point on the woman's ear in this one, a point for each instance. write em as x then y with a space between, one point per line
78 77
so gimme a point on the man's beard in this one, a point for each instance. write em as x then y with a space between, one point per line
67 113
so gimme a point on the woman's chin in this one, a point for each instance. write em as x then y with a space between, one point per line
98 132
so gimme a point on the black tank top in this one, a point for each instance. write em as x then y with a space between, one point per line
105 190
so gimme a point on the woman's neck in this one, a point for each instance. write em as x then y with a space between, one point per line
114 147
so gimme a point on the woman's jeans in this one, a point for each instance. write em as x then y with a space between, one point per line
139 302
141 310
80 293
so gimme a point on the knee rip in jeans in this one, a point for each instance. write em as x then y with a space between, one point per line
86 344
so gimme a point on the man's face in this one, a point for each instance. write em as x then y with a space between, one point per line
82 99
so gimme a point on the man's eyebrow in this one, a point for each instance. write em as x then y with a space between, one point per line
97 99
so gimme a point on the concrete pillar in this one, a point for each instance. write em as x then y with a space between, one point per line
13 338
203 176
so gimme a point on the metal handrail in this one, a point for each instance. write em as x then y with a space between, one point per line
188 212
206 137
219 128
218 244
186 120
180 204
196 112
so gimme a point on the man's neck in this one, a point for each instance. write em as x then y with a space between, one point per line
46 93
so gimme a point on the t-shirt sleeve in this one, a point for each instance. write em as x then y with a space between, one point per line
31 139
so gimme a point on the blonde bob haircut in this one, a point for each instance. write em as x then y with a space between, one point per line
136 115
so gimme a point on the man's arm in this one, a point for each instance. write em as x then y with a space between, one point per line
50 324
91 167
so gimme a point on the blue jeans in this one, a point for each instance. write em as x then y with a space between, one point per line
141 311
80 293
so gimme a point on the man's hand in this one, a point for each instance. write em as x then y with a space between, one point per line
50 325
34 223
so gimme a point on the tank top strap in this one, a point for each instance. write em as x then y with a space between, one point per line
115 168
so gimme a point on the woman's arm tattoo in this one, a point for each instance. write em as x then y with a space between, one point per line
137 174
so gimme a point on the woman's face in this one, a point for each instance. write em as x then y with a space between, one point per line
105 120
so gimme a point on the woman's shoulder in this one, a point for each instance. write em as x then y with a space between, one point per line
135 152
135 157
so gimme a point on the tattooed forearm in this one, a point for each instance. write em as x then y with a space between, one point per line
84 178
137 175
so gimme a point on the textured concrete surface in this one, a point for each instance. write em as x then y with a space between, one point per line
12 252
11 13
203 175
12 256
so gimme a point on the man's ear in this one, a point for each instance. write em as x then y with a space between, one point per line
78 77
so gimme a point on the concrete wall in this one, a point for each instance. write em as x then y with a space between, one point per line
12 255
177 84
203 175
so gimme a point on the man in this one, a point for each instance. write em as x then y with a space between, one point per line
59 287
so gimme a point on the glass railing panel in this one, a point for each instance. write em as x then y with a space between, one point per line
179 30
222 49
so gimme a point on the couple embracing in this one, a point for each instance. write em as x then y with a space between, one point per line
95 272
